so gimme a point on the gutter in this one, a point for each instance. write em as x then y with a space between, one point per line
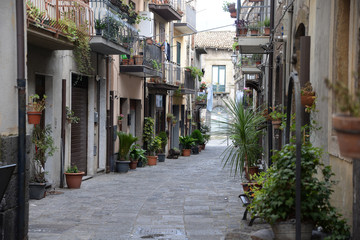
21 86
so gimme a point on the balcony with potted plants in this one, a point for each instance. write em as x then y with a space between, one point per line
250 63
252 29
174 74
114 32
188 23
167 9
57 26
145 60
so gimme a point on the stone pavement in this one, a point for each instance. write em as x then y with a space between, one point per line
190 198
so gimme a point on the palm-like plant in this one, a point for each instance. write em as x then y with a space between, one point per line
125 142
243 128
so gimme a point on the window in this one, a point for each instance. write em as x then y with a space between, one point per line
218 78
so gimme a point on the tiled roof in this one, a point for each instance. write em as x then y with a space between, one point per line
215 39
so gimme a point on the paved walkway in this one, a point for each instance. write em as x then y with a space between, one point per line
190 198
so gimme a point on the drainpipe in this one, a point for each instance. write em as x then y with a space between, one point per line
21 86
270 85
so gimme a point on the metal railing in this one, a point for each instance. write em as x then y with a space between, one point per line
218 88
253 21
178 5
54 15
189 82
153 56
190 15
251 60
111 23
174 74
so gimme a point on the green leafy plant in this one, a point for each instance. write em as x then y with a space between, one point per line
137 154
195 72
72 169
225 6
277 113
34 13
99 24
35 104
197 135
148 130
244 130
254 26
154 146
187 142
163 136
44 147
70 116
235 44
266 22
348 102
125 142
275 201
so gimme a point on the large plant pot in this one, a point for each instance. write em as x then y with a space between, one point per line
251 171
139 59
348 132
152 160
122 166
161 157
133 165
34 117
307 98
195 150
276 124
287 230
73 180
266 31
186 152
37 190
243 31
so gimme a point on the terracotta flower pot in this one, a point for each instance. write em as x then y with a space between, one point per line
348 132
251 171
276 124
133 164
267 31
254 32
73 180
243 31
233 14
34 117
186 152
307 98
131 61
152 160
139 59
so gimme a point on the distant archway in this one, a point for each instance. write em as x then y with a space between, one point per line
218 113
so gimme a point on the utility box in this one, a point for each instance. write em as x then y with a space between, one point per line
146 27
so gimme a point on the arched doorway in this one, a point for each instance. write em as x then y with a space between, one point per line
218 114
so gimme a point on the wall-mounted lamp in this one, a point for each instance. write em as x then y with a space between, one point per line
234 58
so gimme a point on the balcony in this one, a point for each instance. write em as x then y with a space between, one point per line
169 10
252 29
250 63
189 83
114 33
48 21
149 59
188 24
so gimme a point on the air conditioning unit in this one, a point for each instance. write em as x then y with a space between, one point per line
146 27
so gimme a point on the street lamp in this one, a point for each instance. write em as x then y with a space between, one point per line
234 58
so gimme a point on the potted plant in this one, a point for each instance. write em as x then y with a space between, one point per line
202 86
120 118
161 155
187 142
307 95
275 201
125 142
99 26
137 156
70 116
154 146
44 147
236 46
199 138
204 129
73 177
266 24
254 29
242 27
276 116
347 124
244 131
170 117
35 107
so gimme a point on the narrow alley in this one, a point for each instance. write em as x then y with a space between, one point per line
186 198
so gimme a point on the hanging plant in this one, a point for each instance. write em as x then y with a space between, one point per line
195 72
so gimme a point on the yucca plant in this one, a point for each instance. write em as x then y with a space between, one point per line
125 142
243 128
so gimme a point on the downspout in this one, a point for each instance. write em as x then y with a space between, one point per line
21 86
63 119
270 85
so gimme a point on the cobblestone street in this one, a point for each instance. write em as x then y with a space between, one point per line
186 198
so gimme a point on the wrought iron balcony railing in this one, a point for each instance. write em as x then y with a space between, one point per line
174 74
253 21
57 15
168 9
113 24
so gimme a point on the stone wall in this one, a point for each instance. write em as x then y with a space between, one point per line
9 204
